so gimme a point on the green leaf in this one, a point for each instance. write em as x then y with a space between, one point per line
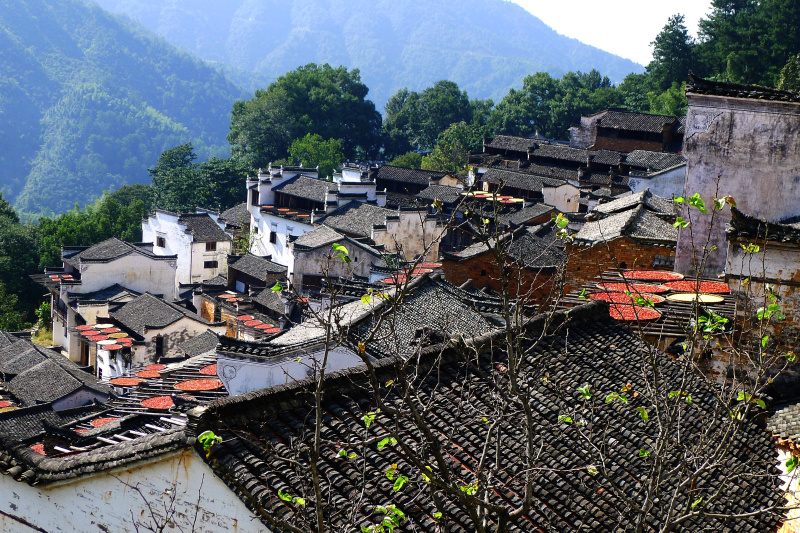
342 453
565 419
760 403
366 299
437 515
344 258
680 200
284 496
583 295
790 356
277 287
674 393
644 453
339 248
681 223
369 418
484 420
584 392
764 341
390 473
719 203
386 442
697 502
688 398
792 463
397 512
561 221
697 201
299 501
643 413
591 470
399 482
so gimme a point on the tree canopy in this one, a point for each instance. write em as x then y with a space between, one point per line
314 151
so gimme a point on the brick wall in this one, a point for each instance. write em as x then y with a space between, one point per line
484 270
586 263
626 145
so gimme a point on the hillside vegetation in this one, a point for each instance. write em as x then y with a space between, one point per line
485 46
88 102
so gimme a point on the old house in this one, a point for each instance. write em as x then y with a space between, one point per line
765 254
94 278
198 241
625 131
533 258
633 232
533 185
313 260
729 154
248 271
158 329
409 181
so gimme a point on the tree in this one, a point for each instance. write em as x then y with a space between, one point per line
790 75
10 318
320 99
221 182
673 49
313 151
174 184
673 101
408 160
452 149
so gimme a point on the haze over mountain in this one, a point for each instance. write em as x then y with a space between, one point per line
88 102
486 46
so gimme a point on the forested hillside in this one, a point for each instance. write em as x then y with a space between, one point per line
485 46
88 102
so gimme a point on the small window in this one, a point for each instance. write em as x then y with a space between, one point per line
211 247
483 272
253 197
161 242
159 346
273 237
210 264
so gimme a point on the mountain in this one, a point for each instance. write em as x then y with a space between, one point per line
88 101
486 46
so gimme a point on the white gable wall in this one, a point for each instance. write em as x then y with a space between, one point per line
103 503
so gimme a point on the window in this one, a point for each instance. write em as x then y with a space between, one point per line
161 242
483 272
159 346
211 247
273 237
253 197
210 264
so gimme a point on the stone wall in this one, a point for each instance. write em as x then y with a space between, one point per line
585 263
751 147
483 270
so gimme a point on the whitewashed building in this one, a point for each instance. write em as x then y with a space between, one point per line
196 239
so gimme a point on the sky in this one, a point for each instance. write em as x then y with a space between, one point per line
622 27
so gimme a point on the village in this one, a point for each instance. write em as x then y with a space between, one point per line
510 347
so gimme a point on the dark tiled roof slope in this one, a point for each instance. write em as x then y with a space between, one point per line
356 218
255 266
525 214
520 180
562 152
408 175
699 85
656 204
785 423
530 247
654 161
399 199
262 433
27 422
508 142
637 223
306 187
749 227
202 344
237 215
444 193
147 311
628 120
271 300
317 237
107 250
203 228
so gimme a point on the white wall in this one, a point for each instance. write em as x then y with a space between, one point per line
103 503
280 251
174 335
564 197
667 184
133 271
241 375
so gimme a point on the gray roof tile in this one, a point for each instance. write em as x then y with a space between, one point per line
306 187
203 228
150 312
408 175
255 266
356 218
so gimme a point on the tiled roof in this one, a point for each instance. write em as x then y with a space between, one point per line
114 293
408 175
606 157
785 423
27 422
306 187
42 375
399 199
356 218
520 180
653 161
445 193
699 85
317 237
265 432
525 214
561 152
530 247
637 223
255 266
220 280
507 142
271 300
107 250
654 203
749 227
631 121
237 215
203 228
200 345
7 338
149 312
